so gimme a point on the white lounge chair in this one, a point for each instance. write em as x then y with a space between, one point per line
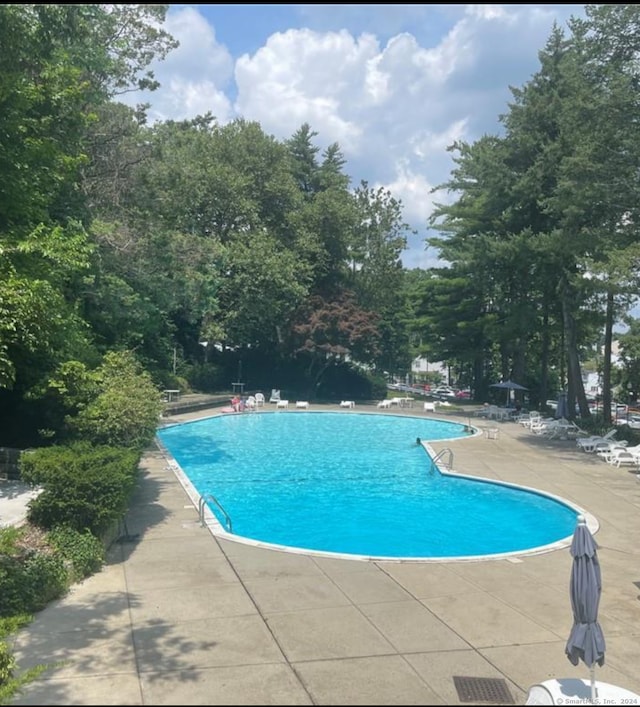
550 429
573 431
282 404
275 396
429 407
561 429
302 404
606 449
542 425
587 444
620 455
384 404
624 457
347 404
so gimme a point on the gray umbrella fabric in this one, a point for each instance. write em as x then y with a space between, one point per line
509 385
586 641
562 408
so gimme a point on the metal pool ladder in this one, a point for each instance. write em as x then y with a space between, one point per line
203 502
439 455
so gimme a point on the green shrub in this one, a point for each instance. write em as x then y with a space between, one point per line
207 378
12 624
378 388
48 578
343 381
11 587
8 540
631 434
83 551
84 487
7 663
28 584
10 685
125 410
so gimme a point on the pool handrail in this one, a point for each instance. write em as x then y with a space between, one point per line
201 504
440 454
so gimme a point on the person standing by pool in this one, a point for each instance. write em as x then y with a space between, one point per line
235 403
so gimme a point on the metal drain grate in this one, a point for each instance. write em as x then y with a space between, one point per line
476 690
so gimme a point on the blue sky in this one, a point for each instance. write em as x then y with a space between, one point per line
393 85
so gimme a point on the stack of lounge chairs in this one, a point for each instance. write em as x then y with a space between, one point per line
588 444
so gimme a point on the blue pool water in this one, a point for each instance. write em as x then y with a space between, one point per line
356 484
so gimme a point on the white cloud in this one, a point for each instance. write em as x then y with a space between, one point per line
193 76
414 191
302 76
426 145
486 12
394 106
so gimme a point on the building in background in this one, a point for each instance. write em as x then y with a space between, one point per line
423 370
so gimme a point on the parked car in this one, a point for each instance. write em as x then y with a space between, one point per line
632 421
444 393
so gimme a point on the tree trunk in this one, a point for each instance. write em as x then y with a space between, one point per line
606 364
479 386
575 384
544 354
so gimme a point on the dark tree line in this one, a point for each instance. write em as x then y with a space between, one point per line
542 238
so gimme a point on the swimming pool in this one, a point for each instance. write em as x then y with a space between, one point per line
357 484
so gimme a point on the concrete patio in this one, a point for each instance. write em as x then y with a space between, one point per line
181 617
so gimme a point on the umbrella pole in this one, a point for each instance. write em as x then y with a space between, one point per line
594 689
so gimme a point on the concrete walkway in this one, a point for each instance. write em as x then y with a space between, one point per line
180 617
14 496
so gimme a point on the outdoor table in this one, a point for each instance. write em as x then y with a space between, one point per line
169 394
238 387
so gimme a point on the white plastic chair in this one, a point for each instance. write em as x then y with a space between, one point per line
259 399
530 418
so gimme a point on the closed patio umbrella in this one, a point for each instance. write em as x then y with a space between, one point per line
562 408
586 640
